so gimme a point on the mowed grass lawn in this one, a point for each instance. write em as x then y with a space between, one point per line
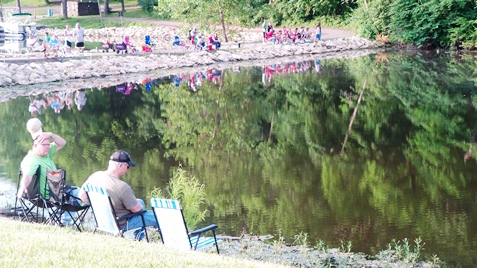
35 245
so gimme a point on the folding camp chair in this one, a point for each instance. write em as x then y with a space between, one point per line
27 208
65 203
173 228
58 202
104 214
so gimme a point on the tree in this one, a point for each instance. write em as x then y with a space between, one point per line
64 6
1 13
106 7
208 12
19 6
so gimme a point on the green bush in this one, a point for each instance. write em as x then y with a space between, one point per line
371 19
190 193
147 5
434 23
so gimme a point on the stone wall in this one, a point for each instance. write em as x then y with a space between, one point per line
101 65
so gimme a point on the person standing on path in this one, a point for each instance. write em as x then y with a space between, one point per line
318 32
68 38
264 29
79 36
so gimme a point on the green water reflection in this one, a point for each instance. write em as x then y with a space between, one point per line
364 150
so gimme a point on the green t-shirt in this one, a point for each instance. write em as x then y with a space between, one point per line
30 165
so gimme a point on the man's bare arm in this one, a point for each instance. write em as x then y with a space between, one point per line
137 208
26 180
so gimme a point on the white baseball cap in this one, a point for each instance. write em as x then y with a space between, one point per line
34 127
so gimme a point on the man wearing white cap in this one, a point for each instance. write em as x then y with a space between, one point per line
45 146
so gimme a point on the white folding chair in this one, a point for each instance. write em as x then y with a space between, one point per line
173 228
104 214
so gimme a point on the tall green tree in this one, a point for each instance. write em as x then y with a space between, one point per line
221 13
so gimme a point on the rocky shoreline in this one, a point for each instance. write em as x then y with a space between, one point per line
257 248
34 70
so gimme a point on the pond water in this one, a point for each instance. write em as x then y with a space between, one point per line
365 150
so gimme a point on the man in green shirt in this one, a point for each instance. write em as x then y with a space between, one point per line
45 146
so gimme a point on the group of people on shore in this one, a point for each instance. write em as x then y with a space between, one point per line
58 45
289 35
40 156
198 41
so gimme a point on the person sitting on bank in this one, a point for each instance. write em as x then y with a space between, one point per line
200 43
45 146
122 196
55 45
216 41
33 43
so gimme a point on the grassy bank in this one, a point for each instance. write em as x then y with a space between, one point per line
35 245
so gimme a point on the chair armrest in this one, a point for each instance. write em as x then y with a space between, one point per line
127 216
203 230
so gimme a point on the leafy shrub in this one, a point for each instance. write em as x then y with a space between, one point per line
147 5
190 193
434 23
371 19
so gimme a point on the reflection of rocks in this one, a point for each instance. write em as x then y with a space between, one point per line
103 65
15 90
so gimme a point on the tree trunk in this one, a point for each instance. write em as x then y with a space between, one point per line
222 21
100 14
19 7
353 117
64 5
106 7
123 9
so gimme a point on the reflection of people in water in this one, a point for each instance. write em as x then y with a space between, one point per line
148 83
36 105
80 99
192 82
69 99
318 66
283 69
268 73
177 81
214 76
56 102
126 88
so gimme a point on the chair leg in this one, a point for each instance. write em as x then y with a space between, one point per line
144 227
216 244
79 218
197 242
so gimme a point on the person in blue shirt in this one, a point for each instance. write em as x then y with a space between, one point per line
55 45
